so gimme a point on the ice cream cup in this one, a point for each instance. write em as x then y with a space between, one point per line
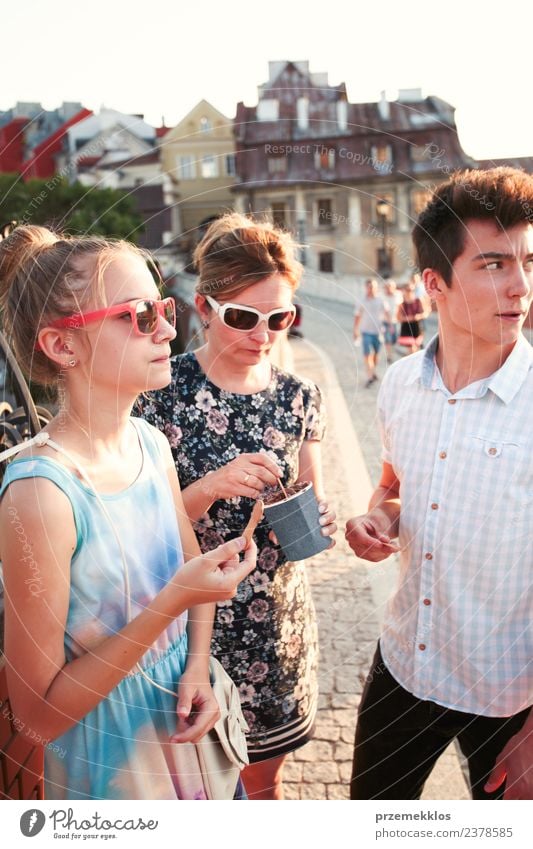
296 522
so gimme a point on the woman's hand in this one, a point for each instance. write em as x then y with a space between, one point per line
327 521
197 709
215 576
247 476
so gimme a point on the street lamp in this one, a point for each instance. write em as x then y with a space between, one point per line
300 235
384 264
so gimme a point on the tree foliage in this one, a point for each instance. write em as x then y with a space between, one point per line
69 207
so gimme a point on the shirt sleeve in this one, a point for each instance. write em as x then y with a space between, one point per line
315 415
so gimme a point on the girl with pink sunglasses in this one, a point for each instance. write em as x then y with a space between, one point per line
108 602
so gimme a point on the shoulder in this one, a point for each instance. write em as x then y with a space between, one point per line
403 370
292 383
32 503
156 437
400 377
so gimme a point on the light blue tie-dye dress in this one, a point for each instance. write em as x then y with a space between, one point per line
120 750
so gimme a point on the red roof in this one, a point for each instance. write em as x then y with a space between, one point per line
88 161
42 162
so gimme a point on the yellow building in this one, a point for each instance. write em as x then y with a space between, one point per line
199 155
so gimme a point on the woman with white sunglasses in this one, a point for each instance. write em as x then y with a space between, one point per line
108 603
236 426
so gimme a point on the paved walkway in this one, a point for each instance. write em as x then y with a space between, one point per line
349 598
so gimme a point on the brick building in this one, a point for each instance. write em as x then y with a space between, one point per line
347 178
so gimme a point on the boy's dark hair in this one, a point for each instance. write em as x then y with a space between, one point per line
502 195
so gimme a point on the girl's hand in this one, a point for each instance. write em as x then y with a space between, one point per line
197 709
327 521
215 576
246 476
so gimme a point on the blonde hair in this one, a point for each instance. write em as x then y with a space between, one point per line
237 252
43 276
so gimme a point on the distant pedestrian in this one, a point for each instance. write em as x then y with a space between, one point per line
392 299
411 313
370 314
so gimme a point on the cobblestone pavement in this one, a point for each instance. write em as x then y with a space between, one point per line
321 770
345 599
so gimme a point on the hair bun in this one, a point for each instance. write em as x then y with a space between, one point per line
25 243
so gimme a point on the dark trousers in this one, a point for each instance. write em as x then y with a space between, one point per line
399 738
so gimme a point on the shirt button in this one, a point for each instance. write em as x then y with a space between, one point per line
429 555
443 455
427 602
493 451
434 506
451 400
422 646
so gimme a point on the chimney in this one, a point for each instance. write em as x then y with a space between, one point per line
384 107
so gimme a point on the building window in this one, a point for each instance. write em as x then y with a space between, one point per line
209 167
420 152
325 261
230 164
205 125
267 110
279 212
342 115
277 164
302 112
324 212
324 158
186 168
419 200
382 158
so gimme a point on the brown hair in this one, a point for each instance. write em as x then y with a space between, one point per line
237 252
501 195
43 276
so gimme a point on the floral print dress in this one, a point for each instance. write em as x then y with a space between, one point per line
266 636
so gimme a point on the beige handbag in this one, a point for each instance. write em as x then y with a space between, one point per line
217 759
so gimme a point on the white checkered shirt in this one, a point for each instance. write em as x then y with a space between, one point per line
458 629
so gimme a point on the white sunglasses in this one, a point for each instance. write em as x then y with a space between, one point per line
239 317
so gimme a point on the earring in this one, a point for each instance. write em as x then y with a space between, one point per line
72 363
205 324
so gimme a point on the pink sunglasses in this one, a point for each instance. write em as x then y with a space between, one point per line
144 315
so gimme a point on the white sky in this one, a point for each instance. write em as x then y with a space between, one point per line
160 57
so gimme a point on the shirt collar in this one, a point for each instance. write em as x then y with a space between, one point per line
505 382
425 366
